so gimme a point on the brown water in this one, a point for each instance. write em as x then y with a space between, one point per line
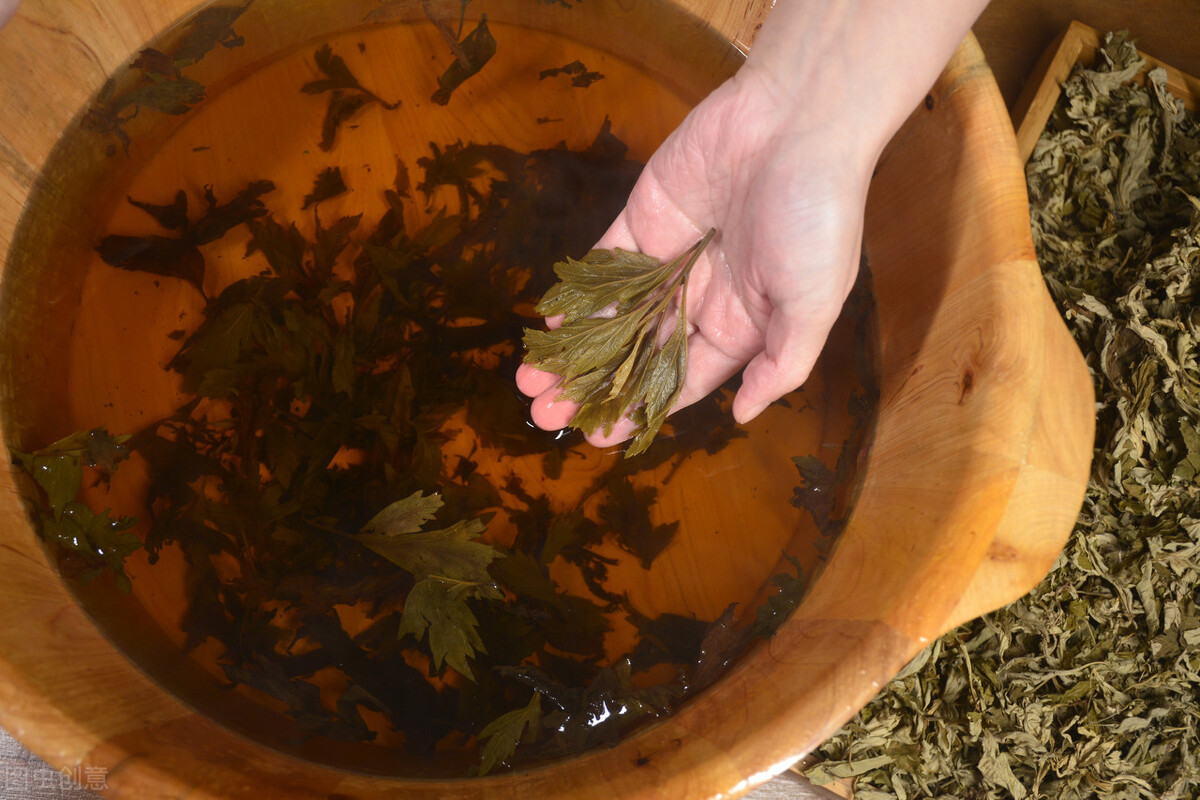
106 335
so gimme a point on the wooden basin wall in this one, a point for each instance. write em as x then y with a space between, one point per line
972 483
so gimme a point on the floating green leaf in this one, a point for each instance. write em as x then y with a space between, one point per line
88 541
450 567
438 607
504 733
451 553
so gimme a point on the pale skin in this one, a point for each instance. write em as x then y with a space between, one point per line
778 159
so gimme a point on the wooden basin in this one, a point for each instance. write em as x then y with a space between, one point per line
972 481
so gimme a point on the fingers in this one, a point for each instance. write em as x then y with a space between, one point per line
793 342
624 429
533 381
547 411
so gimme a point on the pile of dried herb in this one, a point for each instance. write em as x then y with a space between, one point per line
1089 686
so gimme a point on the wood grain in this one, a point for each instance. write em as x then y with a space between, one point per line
979 432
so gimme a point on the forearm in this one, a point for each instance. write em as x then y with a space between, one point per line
858 66
7 9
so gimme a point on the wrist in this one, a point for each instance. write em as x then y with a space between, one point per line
857 67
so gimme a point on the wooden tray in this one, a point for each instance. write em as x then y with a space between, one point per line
1077 46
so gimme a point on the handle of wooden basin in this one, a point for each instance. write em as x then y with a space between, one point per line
1049 489
1041 511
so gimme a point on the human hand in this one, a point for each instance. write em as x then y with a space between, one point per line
778 160
788 209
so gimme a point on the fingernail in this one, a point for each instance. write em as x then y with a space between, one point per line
751 413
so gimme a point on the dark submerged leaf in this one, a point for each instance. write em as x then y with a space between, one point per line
347 96
328 184
581 76
478 47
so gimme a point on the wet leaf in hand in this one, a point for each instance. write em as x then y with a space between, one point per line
613 365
